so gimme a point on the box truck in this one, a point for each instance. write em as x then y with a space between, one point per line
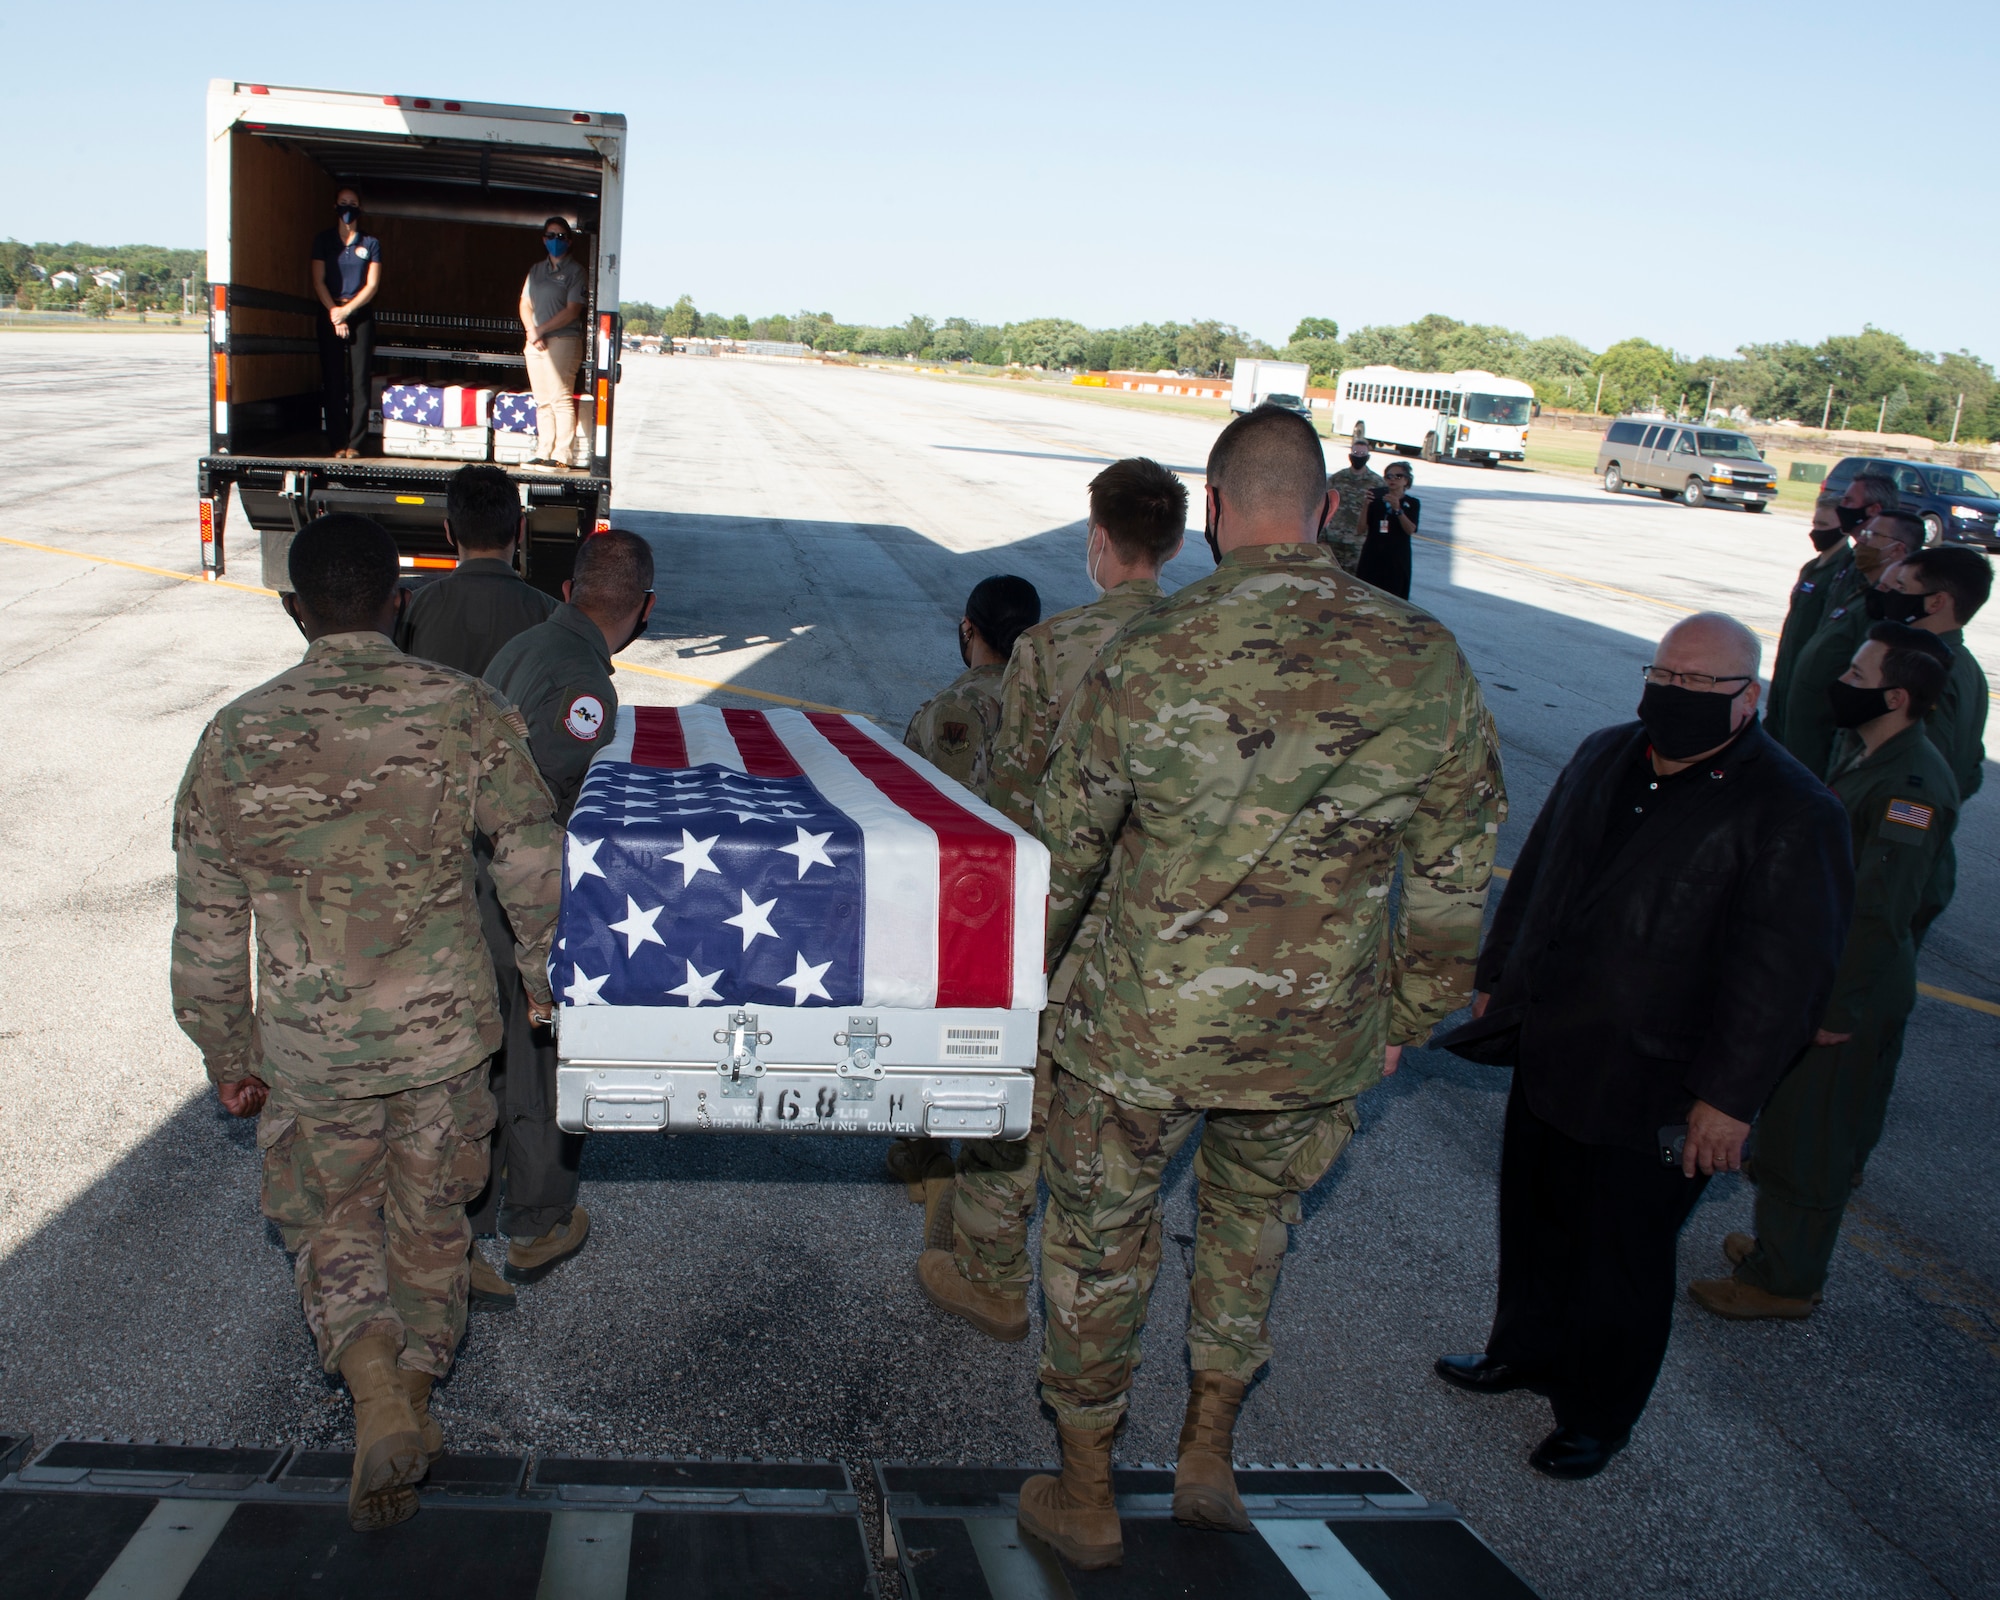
1258 382
458 193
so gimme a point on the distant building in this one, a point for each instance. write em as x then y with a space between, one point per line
105 278
63 280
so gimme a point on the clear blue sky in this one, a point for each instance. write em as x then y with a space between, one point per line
1699 174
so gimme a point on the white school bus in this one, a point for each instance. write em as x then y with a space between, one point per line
1441 416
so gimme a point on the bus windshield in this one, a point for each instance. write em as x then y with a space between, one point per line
1509 410
1728 444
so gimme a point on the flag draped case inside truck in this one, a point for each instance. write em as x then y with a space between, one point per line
795 891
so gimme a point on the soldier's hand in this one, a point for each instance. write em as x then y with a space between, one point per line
1392 1057
1714 1142
1821 1036
245 1097
1479 1004
541 1013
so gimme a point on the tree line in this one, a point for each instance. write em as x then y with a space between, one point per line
1856 380
152 281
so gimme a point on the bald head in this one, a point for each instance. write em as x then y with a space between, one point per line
1712 643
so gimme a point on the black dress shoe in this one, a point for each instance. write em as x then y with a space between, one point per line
1571 1455
1482 1374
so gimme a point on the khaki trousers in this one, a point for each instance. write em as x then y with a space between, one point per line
552 376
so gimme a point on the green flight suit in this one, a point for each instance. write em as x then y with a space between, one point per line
1828 571
1815 1132
1806 728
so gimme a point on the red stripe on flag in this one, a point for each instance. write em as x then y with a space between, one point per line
764 753
657 739
468 408
975 872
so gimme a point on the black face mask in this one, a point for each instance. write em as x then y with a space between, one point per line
1853 705
1359 463
1682 723
1825 539
1892 605
348 214
1851 517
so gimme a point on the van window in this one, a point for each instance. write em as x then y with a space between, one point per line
1686 445
1728 444
1647 442
1909 481
1949 480
1624 433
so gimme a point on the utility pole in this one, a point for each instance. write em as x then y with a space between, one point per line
1882 415
1956 414
1826 415
1599 401
1709 410
1846 416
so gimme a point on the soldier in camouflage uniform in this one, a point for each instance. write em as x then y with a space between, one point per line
1244 771
976 1264
1345 532
953 730
335 805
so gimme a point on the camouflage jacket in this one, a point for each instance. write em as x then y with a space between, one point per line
1345 531
1243 769
1042 675
1048 664
953 730
335 805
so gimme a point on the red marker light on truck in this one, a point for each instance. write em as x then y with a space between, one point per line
390 100
579 116
451 105
258 88
421 105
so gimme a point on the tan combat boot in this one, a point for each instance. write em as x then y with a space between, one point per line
1744 1302
531 1260
1204 1481
488 1288
417 1385
1075 1515
997 1315
912 1159
388 1444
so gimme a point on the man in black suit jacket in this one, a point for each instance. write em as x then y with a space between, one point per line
1664 950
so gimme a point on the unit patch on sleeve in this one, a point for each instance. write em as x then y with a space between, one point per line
584 717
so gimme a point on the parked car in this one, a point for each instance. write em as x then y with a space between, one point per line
1957 507
1696 466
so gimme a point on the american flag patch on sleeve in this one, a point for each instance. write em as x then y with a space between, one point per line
1909 814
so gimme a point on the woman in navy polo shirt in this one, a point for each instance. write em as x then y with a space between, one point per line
346 274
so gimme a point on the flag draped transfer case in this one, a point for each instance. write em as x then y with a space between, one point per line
785 922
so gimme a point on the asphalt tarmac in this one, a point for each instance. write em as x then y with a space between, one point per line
817 531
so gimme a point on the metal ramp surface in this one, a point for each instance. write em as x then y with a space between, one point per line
95 1519
90 1519
1322 1533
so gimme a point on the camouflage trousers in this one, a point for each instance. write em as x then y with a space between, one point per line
993 1198
1101 1239
370 1196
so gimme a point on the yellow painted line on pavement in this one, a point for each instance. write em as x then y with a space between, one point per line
1950 997
251 588
135 566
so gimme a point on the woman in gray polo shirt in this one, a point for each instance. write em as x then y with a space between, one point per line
552 310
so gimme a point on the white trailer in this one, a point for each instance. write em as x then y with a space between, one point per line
457 191
1256 382
1441 416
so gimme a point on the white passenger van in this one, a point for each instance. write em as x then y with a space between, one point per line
1442 416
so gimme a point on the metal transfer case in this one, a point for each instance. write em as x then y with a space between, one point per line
783 922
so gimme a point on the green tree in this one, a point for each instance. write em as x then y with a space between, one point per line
1315 328
681 321
1638 374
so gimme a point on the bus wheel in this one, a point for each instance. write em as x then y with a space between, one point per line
1614 480
1430 450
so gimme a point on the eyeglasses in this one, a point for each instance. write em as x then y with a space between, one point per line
555 236
1699 682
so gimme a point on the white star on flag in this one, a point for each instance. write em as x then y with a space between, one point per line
804 981
754 919
810 849
700 986
693 855
583 860
583 992
638 927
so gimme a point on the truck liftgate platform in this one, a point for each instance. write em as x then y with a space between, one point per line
97 1518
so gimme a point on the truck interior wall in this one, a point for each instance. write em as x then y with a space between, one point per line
279 199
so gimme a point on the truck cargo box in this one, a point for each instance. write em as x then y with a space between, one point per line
782 921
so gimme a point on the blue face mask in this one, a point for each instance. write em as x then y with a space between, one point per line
557 248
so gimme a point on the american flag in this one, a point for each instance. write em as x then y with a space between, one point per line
1910 813
424 406
721 858
513 413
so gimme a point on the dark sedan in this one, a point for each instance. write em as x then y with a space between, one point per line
1957 506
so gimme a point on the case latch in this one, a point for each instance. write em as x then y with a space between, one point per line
740 1069
858 1069
969 1115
